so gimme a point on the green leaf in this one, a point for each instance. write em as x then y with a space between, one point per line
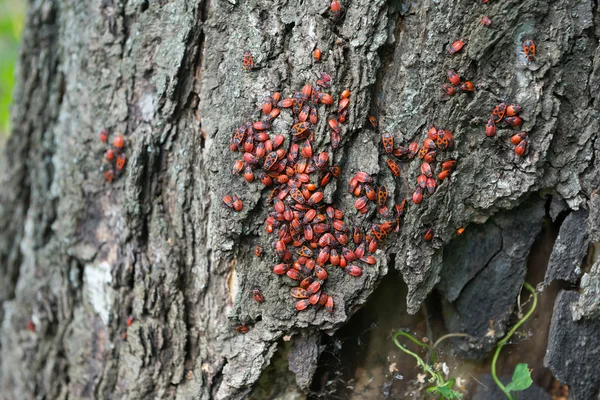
521 379
446 391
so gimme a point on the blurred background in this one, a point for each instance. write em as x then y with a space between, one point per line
12 16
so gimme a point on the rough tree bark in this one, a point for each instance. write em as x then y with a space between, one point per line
79 255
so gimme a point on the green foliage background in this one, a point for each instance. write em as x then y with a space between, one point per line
12 14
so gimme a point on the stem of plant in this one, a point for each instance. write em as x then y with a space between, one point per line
507 338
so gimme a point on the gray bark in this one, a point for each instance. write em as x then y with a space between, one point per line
79 255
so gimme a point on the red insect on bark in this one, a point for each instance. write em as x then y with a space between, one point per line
516 139
325 98
513 110
228 201
372 121
430 185
334 125
267 105
361 203
455 47
449 165
486 21
323 256
467 86
242 329
393 166
521 148
432 130
294 274
499 112
529 49
336 8
237 203
426 169
258 296
110 155
270 160
387 140
118 142
302 305
430 157
299 292
317 54
248 174
454 78
320 272
314 288
417 196
258 251
513 121
248 61
305 283
344 101
448 89
329 304
281 269
428 235
335 140
354 270
413 148
109 175
422 181
490 128
103 135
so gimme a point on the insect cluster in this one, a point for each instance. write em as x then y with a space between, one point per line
114 159
312 236
454 78
508 114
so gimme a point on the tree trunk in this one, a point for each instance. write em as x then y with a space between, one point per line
79 255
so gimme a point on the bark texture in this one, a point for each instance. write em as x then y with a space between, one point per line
79 255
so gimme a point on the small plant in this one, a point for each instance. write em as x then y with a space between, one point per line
521 378
441 387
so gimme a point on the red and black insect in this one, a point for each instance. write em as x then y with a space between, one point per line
317 54
521 148
499 112
513 110
118 142
428 235
486 21
529 49
456 46
393 166
248 61
514 121
516 139
336 8
387 140
103 135
258 296
490 128
467 86
453 77
449 89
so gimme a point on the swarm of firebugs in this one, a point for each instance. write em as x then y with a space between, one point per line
114 159
312 237
508 114
437 140
454 78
